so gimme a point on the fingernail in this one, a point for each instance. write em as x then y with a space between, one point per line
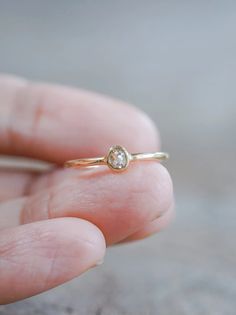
99 262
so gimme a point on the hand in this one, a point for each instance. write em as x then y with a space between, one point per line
56 225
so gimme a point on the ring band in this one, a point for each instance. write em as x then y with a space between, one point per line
117 159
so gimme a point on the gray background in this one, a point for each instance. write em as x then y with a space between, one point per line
177 61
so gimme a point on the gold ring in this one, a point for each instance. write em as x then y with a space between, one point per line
117 159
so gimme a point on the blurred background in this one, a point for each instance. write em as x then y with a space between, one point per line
177 61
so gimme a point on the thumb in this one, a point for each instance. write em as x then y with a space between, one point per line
38 256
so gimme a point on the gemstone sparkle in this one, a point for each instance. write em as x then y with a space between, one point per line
117 158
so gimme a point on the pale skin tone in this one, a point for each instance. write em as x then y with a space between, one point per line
57 225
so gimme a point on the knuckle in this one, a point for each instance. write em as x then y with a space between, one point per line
27 111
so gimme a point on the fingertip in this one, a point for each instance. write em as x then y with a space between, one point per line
153 227
38 256
139 196
81 247
94 241
165 187
154 185
143 133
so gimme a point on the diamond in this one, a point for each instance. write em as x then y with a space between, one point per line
118 158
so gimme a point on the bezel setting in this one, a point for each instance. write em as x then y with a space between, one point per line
118 158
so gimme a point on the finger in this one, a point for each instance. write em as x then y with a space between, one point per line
119 204
38 256
153 227
14 184
18 183
56 123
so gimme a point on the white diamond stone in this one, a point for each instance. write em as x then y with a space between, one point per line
117 158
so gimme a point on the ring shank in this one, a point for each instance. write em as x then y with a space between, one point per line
150 156
87 162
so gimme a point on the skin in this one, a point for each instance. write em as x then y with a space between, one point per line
56 225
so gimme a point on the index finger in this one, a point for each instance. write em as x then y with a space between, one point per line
56 123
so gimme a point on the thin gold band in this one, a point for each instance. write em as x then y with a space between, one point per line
118 159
